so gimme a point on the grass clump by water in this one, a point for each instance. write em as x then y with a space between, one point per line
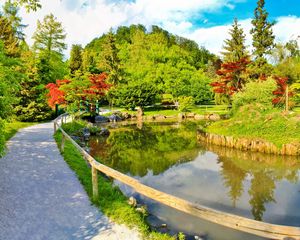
255 117
272 125
111 200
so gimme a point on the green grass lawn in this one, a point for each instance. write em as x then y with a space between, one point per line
11 128
111 200
272 126
296 109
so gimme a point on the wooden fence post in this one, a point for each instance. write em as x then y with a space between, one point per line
62 146
95 183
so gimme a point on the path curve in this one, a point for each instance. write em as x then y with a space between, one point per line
41 197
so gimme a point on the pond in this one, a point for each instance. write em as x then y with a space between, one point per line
168 157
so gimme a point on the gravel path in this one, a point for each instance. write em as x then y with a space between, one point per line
41 198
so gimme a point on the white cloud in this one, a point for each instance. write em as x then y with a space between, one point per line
285 29
212 38
84 20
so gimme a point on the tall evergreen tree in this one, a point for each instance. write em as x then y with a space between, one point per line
10 11
7 36
233 72
49 35
235 48
111 59
262 34
75 63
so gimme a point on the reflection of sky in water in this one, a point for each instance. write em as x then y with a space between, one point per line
200 181
226 180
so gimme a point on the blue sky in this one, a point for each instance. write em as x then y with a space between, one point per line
205 21
244 10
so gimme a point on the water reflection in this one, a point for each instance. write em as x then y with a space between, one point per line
264 170
168 157
135 151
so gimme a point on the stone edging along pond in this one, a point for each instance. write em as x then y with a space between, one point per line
255 145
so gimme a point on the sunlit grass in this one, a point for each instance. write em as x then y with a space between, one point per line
111 200
272 126
11 128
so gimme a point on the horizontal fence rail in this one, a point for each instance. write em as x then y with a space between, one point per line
267 230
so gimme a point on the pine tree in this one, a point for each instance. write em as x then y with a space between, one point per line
262 34
233 72
111 60
235 48
10 12
7 35
75 63
49 35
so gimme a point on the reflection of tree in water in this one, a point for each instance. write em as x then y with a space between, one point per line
270 169
261 192
233 179
154 147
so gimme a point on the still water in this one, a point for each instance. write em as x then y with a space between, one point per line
167 156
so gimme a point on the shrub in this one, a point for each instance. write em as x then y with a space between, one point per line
258 93
74 127
185 104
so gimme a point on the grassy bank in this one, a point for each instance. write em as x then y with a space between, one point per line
8 130
272 126
111 201
11 128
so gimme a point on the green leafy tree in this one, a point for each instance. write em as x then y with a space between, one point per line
7 36
111 61
75 62
135 94
10 12
262 36
28 4
259 94
233 72
32 104
49 35
49 41
9 78
235 48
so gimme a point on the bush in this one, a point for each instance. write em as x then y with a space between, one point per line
134 95
74 127
185 104
258 94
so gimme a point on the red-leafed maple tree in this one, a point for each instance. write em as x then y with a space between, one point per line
70 91
56 95
99 86
281 91
232 77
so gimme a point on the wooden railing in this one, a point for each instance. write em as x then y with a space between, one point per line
267 230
